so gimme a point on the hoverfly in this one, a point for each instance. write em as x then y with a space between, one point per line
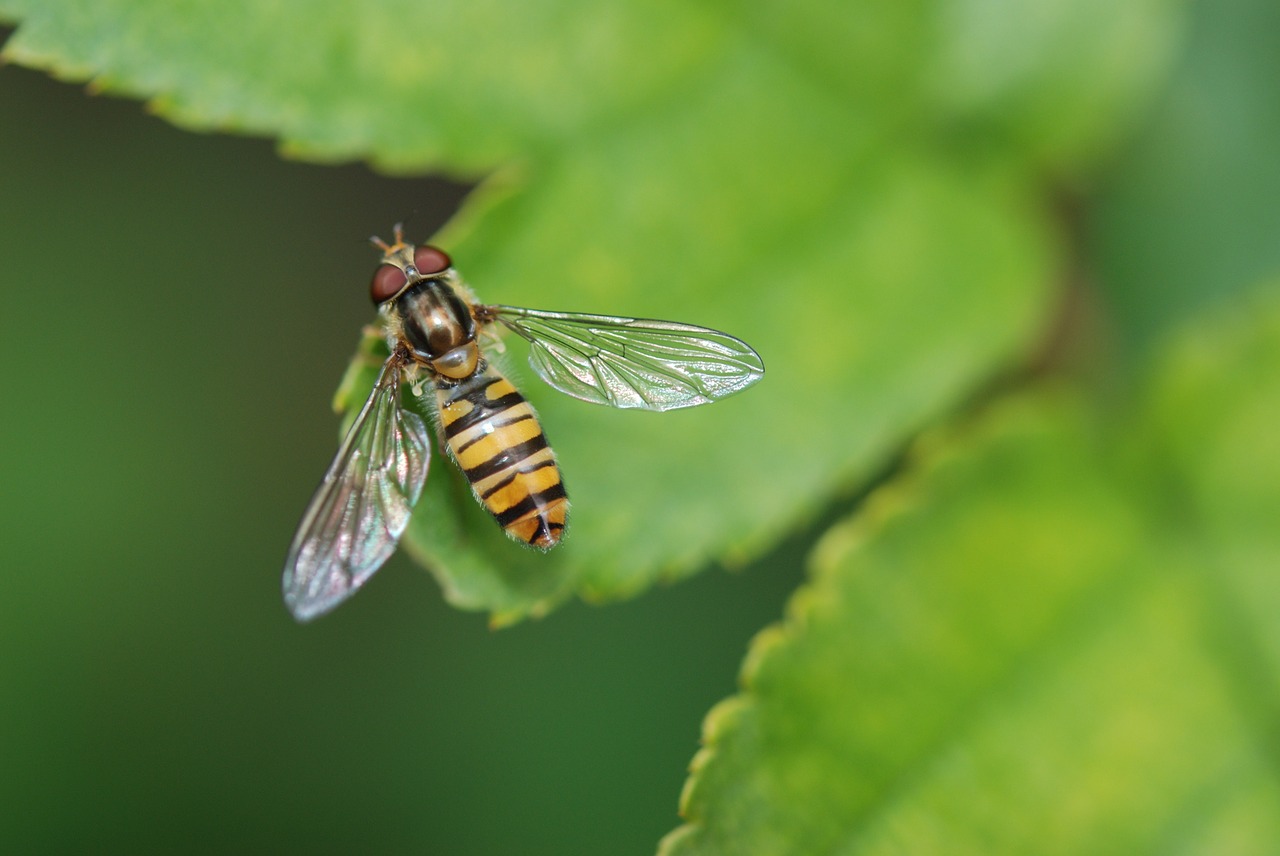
432 322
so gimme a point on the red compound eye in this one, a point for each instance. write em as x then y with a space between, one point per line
429 260
386 284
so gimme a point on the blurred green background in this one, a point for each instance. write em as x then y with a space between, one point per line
178 310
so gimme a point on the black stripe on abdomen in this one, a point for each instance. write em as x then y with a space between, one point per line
496 426
533 502
497 486
508 457
482 408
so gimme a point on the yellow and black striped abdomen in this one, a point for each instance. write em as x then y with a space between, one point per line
494 435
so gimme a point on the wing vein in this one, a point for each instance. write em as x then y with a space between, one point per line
362 505
631 362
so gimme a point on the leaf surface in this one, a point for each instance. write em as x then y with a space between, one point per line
1031 646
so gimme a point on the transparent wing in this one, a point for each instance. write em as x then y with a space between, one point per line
362 507
632 362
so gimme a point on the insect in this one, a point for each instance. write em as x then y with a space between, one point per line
432 323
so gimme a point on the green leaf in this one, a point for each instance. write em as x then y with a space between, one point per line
1213 420
468 85
462 84
926 280
748 172
1024 649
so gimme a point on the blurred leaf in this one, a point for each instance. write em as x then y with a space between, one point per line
751 173
1055 81
1022 651
1214 418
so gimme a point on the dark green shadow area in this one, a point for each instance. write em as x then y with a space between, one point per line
1187 219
